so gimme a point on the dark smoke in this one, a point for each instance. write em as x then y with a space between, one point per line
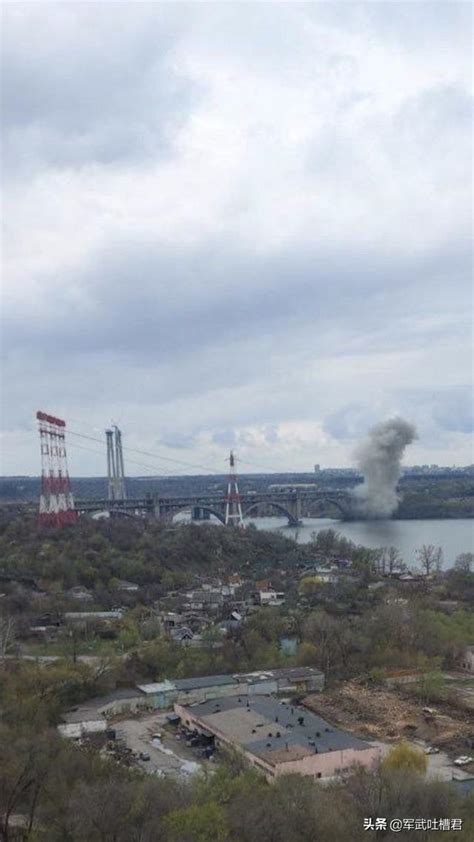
379 460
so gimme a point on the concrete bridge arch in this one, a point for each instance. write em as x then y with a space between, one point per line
171 512
292 519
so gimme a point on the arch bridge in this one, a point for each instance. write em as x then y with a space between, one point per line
292 504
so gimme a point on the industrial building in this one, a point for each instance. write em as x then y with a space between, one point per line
291 681
276 736
91 717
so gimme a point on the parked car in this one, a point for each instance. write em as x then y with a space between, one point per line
144 755
157 736
463 760
431 750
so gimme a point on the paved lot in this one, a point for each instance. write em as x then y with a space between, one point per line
440 766
168 756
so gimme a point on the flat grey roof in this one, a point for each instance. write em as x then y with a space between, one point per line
82 714
203 681
251 720
296 672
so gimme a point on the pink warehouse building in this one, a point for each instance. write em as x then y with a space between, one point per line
277 737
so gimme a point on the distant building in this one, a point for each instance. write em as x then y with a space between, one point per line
80 722
80 593
288 681
272 597
467 659
75 616
276 737
91 717
288 645
124 585
205 600
182 635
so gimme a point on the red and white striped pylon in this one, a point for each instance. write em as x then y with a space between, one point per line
233 505
56 504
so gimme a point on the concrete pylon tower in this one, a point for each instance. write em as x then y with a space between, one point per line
109 434
120 492
115 465
233 506
56 504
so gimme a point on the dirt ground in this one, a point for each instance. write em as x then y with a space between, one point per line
386 714
169 756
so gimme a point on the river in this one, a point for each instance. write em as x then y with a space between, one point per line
453 536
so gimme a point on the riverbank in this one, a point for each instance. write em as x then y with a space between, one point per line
454 536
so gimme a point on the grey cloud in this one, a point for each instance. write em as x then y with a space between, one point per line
226 438
178 441
350 421
234 320
158 303
454 409
88 93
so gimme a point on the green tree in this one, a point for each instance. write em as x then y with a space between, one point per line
432 687
407 758
198 823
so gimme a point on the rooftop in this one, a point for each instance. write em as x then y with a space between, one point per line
82 714
92 707
156 687
203 681
275 731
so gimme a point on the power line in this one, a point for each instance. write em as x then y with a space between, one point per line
152 468
212 470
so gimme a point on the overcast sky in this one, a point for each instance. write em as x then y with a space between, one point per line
238 225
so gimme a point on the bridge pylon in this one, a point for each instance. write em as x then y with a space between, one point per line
115 467
233 504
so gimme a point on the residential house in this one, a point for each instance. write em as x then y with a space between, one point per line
269 598
182 635
210 601
124 585
80 593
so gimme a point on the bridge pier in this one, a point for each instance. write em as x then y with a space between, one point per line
294 511
198 513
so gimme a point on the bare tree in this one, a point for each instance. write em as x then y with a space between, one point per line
430 559
391 561
7 634
464 562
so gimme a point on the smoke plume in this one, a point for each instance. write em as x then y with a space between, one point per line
379 460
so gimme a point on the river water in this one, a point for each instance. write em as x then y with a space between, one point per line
453 536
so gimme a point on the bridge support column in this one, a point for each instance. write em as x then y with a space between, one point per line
294 509
197 513
158 510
